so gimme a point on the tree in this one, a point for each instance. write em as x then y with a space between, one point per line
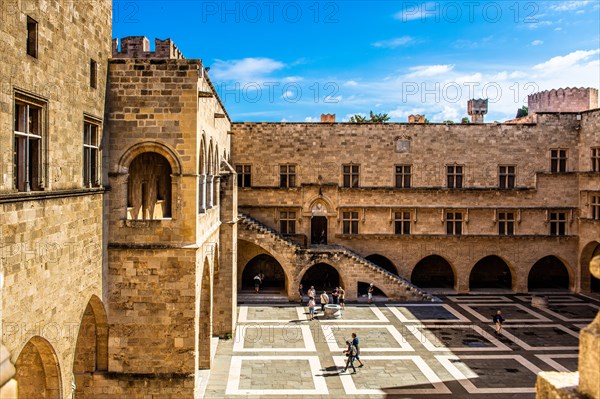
465 121
373 118
448 122
523 111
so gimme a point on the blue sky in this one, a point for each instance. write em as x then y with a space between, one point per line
277 60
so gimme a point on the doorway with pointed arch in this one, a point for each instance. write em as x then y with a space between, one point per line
322 276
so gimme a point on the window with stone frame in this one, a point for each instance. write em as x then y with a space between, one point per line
595 159
454 221
244 175
454 175
91 149
350 222
287 176
595 206
351 175
402 223
93 74
32 37
28 154
558 160
403 176
506 223
558 223
287 222
149 188
507 175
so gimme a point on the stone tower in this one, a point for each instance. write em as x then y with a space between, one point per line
477 108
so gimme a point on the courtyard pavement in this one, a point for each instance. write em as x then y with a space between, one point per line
410 350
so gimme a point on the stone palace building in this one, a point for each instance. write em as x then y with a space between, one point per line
133 210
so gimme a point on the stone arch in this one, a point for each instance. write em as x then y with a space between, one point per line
150 146
590 250
491 271
321 275
319 220
202 157
433 271
205 317
91 350
275 277
149 187
383 262
210 159
246 247
38 371
202 176
549 272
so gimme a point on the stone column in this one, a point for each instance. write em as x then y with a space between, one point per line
589 349
225 283
202 193
210 189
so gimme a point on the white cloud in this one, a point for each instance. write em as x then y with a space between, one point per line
429 70
569 5
537 42
448 113
310 119
558 29
564 62
245 70
396 42
293 79
403 112
351 83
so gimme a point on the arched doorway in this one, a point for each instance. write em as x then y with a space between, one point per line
149 187
322 276
205 318
38 374
318 223
490 272
91 351
548 273
274 276
433 272
590 251
383 262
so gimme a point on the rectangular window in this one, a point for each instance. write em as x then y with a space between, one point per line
402 223
287 222
558 161
595 205
244 175
32 37
351 173
455 176
90 154
454 223
558 223
27 161
350 222
506 223
93 74
403 176
596 159
507 176
287 176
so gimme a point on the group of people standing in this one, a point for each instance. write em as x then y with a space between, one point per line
338 295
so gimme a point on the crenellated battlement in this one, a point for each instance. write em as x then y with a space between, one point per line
139 47
570 99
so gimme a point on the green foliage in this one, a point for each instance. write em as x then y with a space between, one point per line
465 121
373 118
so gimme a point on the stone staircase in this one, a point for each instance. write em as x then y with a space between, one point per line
276 242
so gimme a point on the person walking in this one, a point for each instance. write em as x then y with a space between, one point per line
324 300
355 344
342 297
257 283
311 308
301 292
498 320
335 295
350 353
370 293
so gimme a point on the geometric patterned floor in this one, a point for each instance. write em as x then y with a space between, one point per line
415 350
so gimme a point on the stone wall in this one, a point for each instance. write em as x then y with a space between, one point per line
563 100
51 238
